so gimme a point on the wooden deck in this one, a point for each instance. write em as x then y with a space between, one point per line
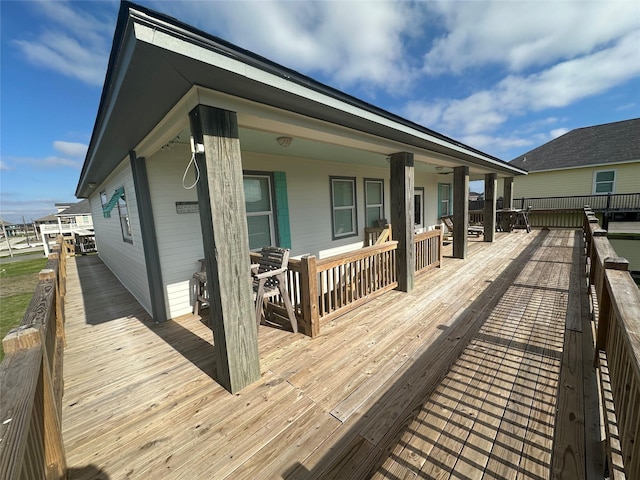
483 371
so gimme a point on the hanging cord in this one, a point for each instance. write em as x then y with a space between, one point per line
195 165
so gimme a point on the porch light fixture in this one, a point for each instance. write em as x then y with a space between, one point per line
92 185
284 141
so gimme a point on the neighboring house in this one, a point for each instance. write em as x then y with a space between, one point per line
71 219
586 161
281 159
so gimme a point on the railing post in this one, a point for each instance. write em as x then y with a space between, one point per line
604 302
598 232
310 324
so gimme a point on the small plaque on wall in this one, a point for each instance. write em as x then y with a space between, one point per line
187 207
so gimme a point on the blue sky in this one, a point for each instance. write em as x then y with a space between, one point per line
503 77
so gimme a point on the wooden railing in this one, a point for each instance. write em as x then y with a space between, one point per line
428 250
618 349
31 382
324 289
351 279
377 235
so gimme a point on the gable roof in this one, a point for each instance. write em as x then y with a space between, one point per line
82 207
615 142
156 60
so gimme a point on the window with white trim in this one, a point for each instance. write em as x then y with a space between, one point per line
604 181
344 220
374 201
123 214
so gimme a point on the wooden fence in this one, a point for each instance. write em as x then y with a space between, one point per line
31 382
618 349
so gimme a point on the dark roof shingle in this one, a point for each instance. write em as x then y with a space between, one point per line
601 144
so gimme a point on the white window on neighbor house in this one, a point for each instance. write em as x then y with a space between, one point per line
344 220
258 195
604 181
123 214
374 200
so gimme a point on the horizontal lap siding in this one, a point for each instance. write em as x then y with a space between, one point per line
576 181
179 235
124 259
309 195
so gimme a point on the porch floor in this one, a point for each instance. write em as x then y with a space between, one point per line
483 371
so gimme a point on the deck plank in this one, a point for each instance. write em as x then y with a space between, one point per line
438 381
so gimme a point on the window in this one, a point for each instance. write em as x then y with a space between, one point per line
444 199
418 202
343 207
604 181
259 205
123 214
374 201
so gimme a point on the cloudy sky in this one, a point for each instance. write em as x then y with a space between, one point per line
503 77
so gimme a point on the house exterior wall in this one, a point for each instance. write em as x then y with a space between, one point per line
309 205
124 259
575 181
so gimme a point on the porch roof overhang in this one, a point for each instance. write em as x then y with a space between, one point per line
156 60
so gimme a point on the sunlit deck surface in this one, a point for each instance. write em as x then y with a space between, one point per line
483 371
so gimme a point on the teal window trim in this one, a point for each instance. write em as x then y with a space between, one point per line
282 209
113 201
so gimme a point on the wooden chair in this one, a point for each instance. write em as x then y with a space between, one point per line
474 230
200 285
269 280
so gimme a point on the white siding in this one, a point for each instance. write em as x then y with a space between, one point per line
125 260
308 191
179 235
575 181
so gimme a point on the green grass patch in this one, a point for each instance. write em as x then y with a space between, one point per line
18 281
12 269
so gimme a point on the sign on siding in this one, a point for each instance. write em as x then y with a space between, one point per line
187 207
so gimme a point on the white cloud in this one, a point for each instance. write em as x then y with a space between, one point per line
5 167
558 132
71 149
75 44
524 34
51 161
557 86
349 42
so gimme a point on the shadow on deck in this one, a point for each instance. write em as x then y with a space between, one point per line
483 370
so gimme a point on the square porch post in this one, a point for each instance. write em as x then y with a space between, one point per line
508 193
490 186
226 246
402 217
460 211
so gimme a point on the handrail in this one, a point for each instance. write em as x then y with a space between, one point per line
601 202
618 348
31 382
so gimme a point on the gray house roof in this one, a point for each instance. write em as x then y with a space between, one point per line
598 145
81 208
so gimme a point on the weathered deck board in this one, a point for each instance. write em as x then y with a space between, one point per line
459 377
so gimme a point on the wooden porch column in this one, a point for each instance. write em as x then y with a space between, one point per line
507 201
402 217
226 247
460 211
149 237
490 186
